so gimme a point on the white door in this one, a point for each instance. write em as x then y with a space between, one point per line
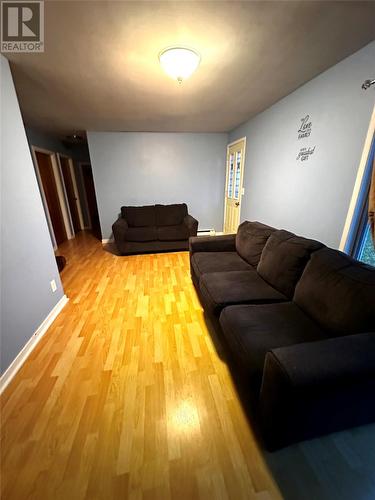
233 185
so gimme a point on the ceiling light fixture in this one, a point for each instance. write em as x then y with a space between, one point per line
179 62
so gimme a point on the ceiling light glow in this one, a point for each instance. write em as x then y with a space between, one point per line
179 62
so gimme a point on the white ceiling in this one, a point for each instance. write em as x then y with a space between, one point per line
100 68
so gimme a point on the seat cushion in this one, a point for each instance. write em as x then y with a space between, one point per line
284 258
173 233
209 262
338 292
170 215
141 234
139 216
250 240
252 330
236 287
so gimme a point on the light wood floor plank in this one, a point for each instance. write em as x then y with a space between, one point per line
125 396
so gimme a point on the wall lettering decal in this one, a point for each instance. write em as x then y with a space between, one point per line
305 128
305 153
303 132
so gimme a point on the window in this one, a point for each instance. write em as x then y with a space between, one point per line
359 243
366 251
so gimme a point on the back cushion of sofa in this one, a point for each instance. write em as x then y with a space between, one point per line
139 216
284 258
338 292
250 240
170 215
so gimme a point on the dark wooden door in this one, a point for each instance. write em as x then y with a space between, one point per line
52 198
88 180
72 199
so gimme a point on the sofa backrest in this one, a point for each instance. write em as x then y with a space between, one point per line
170 215
139 216
338 292
284 258
250 240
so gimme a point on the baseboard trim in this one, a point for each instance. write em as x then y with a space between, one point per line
107 240
21 357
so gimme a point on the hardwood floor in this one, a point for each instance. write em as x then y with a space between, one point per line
125 396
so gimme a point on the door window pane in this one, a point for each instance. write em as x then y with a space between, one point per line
237 181
231 175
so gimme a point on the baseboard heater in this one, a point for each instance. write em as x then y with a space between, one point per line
208 232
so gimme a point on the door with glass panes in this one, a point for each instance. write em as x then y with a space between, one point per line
233 185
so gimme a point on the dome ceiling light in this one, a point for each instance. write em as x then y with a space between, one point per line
179 62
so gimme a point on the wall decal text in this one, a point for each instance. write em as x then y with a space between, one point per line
305 153
305 128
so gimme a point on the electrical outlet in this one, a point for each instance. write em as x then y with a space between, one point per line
53 286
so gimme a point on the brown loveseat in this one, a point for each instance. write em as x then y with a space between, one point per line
154 228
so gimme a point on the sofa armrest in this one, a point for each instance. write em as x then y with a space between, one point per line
223 243
317 387
119 229
192 225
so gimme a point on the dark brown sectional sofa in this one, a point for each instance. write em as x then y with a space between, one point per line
154 228
298 321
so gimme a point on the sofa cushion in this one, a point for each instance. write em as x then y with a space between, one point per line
250 240
170 215
284 258
141 234
236 287
338 292
208 262
252 330
139 216
173 233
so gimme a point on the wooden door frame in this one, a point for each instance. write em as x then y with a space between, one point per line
75 189
86 203
60 192
226 177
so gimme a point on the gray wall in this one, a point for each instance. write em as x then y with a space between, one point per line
27 259
147 168
310 197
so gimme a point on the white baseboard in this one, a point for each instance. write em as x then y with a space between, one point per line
21 357
107 240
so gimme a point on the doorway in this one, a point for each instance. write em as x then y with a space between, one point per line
233 185
71 192
92 206
50 191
